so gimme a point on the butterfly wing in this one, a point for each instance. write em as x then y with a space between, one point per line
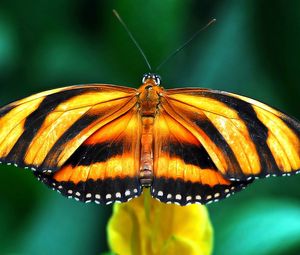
211 143
73 140
244 138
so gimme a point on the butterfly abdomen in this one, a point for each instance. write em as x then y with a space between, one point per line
146 157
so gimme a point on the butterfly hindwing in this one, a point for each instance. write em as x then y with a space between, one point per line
184 172
104 167
244 138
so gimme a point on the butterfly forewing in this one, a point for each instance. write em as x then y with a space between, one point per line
243 137
31 127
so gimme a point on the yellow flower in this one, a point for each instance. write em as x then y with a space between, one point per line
145 226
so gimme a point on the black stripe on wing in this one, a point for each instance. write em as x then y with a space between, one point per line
5 110
86 155
292 123
257 130
78 126
212 132
69 134
36 119
190 154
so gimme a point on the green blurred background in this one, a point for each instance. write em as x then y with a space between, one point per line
253 49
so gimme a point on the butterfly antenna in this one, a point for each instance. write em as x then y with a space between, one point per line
185 44
132 38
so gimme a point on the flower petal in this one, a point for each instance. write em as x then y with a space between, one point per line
145 226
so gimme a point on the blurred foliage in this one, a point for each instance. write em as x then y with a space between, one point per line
253 49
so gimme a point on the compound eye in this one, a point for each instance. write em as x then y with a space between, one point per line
145 77
157 80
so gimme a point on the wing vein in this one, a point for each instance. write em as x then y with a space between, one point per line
193 106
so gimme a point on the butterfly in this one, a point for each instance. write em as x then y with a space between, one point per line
105 143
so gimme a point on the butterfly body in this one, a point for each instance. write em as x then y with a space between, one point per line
105 143
148 101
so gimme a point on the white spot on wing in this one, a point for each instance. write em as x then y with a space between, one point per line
209 197
217 195
160 193
178 197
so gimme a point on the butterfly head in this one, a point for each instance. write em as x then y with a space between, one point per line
151 78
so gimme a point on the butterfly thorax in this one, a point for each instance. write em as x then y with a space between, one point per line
149 100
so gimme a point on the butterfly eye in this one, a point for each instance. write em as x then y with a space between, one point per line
157 80
146 77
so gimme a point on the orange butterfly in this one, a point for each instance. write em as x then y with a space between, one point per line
105 143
